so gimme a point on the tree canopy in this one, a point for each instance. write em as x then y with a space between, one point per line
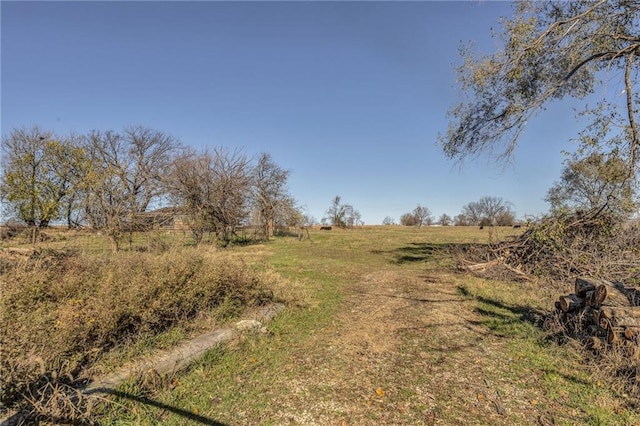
41 174
551 51
591 183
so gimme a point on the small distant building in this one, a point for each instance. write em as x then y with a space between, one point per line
169 218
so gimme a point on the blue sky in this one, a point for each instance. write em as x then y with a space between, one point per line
349 96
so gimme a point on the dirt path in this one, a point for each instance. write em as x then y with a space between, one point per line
404 349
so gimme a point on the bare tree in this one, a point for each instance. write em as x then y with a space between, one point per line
288 214
214 190
461 220
308 220
232 190
472 214
388 220
423 216
505 218
408 219
487 210
270 193
126 176
355 218
191 187
445 220
150 153
342 215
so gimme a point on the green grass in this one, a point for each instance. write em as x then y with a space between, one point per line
575 395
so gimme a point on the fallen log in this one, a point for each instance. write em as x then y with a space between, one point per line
610 295
611 316
589 298
481 267
583 285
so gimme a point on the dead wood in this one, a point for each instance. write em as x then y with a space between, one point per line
571 303
611 316
584 285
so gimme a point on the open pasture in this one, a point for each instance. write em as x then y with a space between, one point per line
381 327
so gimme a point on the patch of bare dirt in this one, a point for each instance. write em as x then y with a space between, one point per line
404 349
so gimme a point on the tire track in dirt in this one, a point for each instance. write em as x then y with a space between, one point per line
403 349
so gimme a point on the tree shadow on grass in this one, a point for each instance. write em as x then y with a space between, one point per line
519 313
26 417
425 252
513 321
185 414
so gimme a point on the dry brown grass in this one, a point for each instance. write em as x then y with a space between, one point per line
63 311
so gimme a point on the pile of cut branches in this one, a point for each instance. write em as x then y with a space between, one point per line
563 246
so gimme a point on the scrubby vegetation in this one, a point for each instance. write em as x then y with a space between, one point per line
63 311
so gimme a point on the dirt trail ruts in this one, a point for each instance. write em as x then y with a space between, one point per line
404 349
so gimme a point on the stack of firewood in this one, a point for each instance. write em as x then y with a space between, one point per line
605 313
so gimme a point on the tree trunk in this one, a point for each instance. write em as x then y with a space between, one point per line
270 228
34 235
115 242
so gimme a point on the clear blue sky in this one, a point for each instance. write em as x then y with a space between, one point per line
349 96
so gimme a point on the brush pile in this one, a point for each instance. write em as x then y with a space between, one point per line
561 247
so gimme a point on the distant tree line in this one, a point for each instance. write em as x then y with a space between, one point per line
487 211
107 179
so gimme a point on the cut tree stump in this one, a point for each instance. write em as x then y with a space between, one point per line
571 303
610 295
619 316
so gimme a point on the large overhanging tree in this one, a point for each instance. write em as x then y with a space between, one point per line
552 51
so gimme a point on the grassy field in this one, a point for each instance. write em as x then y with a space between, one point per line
382 328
